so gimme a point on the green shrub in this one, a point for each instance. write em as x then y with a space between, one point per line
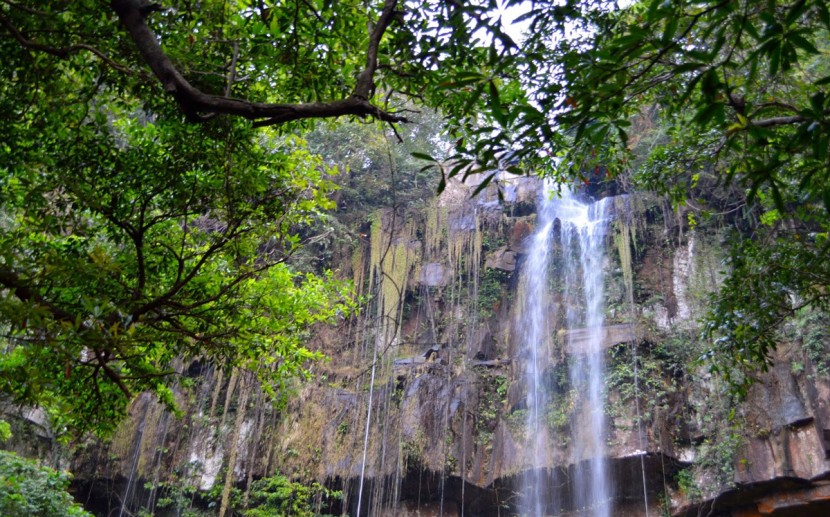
278 495
27 488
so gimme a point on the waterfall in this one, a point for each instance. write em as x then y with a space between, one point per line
579 271
590 486
536 331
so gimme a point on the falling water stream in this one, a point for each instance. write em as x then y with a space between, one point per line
581 232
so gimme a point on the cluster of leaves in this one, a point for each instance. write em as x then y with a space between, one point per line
654 379
739 94
130 239
768 284
752 71
375 169
490 291
812 327
493 396
27 488
278 495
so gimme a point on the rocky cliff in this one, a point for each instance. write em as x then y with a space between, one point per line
421 408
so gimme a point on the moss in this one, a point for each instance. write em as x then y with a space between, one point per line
436 230
491 291
622 240
358 270
560 410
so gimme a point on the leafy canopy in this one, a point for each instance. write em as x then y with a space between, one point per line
130 239
140 222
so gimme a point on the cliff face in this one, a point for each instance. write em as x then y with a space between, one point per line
433 365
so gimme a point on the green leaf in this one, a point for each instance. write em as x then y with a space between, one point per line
803 43
495 105
483 185
423 156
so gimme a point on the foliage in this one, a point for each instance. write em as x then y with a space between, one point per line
812 327
130 239
492 398
769 283
27 488
490 291
654 382
686 482
718 456
753 73
278 495
375 170
274 495
176 495
132 235
517 421
560 411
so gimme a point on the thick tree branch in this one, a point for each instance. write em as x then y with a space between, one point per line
103 360
198 105
365 81
12 281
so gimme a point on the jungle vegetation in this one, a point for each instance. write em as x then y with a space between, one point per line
155 180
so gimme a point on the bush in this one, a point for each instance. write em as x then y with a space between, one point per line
27 488
278 495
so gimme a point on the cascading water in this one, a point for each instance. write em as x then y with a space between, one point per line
581 234
536 328
590 487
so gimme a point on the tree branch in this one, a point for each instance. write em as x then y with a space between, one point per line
62 52
12 281
778 121
198 105
365 81
103 361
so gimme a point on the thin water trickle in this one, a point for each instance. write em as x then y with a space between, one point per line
581 240
131 478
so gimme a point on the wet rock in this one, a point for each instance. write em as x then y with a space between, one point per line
518 189
434 274
492 363
577 339
482 346
518 234
503 258
781 497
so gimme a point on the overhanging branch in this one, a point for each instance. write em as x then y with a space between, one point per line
198 105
